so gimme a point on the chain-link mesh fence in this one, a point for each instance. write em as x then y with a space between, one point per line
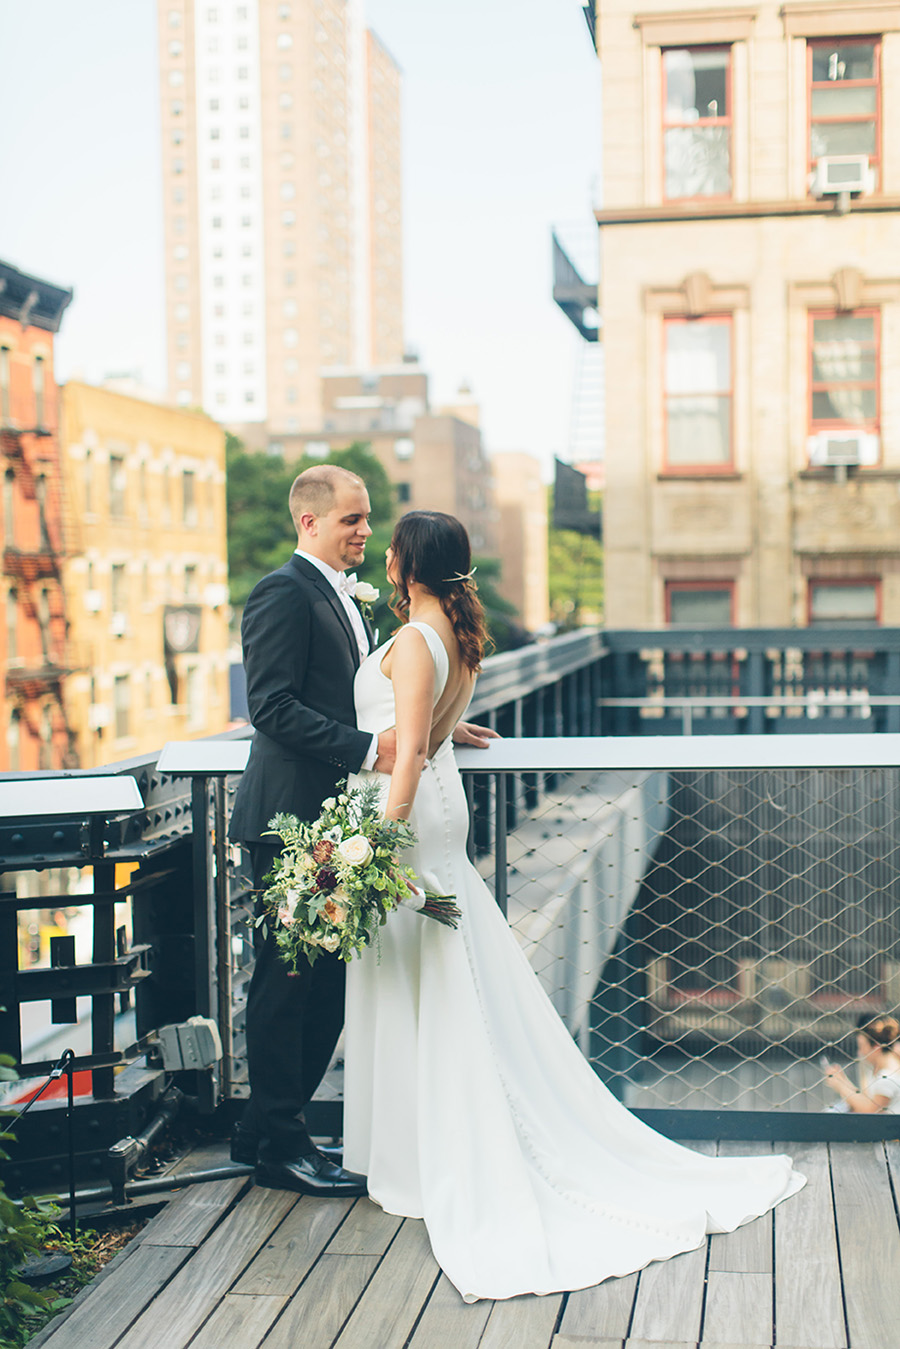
708 936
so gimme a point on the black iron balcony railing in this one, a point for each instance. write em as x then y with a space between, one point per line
708 914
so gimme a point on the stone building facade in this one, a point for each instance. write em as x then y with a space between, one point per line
750 242
147 588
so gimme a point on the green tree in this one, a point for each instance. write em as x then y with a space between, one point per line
576 574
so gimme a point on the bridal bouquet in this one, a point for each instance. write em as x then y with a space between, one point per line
338 878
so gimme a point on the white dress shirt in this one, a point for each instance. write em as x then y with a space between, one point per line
335 579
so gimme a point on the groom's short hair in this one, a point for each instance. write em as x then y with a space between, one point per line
314 490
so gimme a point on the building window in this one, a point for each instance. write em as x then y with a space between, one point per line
122 705
844 98
116 486
844 361
12 623
404 493
118 588
9 507
700 604
4 384
14 740
843 603
40 390
698 395
189 498
697 122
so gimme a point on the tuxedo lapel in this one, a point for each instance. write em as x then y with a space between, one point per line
315 577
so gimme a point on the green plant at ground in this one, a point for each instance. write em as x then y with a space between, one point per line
22 1232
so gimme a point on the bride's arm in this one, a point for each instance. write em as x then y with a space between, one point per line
412 675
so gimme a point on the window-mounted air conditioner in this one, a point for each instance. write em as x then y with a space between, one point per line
93 601
831 448
118 624
834 174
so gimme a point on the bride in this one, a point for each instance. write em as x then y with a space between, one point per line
467 1103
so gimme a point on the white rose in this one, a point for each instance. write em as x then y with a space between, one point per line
365 593
331 942
355 851
329 804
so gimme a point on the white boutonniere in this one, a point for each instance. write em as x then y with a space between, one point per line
365 596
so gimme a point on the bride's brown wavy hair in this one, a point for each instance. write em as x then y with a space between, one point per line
433 549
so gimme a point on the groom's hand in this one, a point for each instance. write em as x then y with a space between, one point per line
386 756
479 737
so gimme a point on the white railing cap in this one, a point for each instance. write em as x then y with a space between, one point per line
673 752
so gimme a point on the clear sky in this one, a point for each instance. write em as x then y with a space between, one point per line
501 142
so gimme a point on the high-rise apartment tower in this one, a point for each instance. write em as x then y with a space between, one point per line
281 171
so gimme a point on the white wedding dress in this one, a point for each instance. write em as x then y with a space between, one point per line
468 1104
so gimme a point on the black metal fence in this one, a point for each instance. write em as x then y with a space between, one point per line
693 919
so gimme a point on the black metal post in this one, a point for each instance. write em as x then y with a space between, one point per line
68 1059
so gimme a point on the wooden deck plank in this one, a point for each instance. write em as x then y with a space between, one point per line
447 1320
240 1319
808 1305
738 1304
368 1230
602 1310
749 1249
390 1305
869 1242
585 1342
111 1307
522 1322
321 1305
187 1301
669 1299
191 1215
290 1253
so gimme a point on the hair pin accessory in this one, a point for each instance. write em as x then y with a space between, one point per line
459 577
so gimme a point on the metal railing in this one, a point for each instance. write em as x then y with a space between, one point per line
709 916
662 886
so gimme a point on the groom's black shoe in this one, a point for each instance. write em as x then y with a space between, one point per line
312 1174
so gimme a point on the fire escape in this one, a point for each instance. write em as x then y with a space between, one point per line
37 574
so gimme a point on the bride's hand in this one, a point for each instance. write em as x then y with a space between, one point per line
479 737
386 755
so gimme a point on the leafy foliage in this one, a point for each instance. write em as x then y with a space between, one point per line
576 575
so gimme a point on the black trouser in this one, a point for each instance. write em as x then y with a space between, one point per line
293 1024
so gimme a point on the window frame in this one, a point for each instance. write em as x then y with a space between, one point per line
843 583
873 425
728 48
855 40
727 467
726 585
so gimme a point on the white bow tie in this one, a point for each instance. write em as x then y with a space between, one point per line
347 584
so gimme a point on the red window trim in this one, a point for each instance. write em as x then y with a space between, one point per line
873 425
873 41
671 587
727 467
701 121
843 582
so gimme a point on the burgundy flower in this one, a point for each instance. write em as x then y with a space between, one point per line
325 879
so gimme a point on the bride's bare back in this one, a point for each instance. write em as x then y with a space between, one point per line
460 680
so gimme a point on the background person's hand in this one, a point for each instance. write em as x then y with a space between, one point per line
478 737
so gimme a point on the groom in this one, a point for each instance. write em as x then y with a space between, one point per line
303 639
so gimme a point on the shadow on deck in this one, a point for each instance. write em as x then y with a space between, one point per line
228 1264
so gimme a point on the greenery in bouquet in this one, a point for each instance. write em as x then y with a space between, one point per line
339 877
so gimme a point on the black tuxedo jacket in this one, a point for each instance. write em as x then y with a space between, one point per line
300 657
